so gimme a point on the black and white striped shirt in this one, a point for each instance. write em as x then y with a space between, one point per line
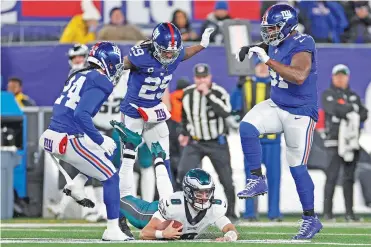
203 117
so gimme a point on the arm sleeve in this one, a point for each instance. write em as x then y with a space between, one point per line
158 215
305 44
332 107
134 58
221 105
222 222
90 100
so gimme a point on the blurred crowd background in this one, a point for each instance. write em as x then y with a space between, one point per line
37 35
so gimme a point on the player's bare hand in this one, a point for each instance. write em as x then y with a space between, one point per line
220 239
172 233
203 88
183 140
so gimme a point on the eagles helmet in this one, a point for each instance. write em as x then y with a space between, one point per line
167 43
78 50
277 23
108 57
198 189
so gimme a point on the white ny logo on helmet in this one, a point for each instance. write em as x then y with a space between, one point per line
116 50
286 14
156 33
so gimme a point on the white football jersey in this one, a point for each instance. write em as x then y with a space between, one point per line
194 222
110 110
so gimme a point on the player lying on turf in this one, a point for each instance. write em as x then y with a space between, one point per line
192 210
292 108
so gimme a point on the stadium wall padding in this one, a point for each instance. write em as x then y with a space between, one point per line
44 68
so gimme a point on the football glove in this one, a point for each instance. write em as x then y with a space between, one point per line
240 56
108 145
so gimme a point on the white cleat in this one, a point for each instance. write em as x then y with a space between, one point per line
78 194
115 235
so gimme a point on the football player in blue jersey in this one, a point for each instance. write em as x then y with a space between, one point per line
152 65
72 137
292 108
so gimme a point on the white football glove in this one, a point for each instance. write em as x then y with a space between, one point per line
108 145
205 40
260 52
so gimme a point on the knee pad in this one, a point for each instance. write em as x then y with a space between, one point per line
248 130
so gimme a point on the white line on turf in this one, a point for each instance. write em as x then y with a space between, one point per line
136 231
249 224
85 241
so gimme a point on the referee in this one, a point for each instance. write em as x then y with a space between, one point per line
205 108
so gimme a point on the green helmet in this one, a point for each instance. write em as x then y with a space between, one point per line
198 188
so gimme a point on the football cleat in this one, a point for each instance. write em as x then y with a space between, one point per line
115 235
310 226
124 227
157 151
255 186
127 136
78 195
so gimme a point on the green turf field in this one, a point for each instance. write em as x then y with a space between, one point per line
44 233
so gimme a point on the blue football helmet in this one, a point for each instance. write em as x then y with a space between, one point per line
167 43
277 23
108 57
198 188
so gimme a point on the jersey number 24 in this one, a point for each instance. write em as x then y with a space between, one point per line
72 92
149 91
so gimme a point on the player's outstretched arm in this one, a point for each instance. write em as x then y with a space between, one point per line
149 232
230 232
298 71
127 63
205 40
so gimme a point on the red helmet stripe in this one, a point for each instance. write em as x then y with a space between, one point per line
171 33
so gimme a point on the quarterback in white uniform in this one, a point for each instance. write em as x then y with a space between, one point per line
196 207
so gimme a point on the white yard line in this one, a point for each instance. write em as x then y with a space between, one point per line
247 224
290 224
136 231
96 241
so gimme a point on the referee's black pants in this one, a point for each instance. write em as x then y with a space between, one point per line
332 174
219 156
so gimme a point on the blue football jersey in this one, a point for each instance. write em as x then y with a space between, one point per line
81 99
296 99
148 81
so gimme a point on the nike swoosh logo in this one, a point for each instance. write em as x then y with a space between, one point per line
301 40
297 118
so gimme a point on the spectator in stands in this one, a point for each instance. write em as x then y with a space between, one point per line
119 29
328 20
81 29
343 113
359 30
215 20
15 87
181 21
